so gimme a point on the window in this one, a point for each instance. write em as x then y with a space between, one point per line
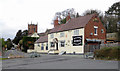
62 43
61 34
95 30
76 32
42 47
34 29
29 29
52 44
52 36
46 46
38 45
102 31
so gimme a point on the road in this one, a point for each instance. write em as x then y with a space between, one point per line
58 62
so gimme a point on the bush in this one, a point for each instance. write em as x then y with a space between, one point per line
28 42
108 53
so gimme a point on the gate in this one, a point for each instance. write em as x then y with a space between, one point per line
91 48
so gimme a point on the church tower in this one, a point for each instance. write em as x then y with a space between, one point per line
32 28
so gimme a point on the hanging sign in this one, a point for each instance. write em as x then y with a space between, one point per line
77 40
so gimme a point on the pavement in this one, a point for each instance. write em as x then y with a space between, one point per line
58 62
0 65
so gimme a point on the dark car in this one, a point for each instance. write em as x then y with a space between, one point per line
34 54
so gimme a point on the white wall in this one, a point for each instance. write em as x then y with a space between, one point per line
38 48
35 35
69 48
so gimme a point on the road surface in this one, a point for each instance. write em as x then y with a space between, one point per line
58 62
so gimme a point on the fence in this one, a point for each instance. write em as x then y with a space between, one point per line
109 45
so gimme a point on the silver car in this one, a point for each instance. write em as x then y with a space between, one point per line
34 54
89 55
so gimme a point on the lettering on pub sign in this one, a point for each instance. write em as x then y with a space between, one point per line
77 40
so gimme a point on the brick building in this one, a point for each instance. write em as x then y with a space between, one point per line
32 28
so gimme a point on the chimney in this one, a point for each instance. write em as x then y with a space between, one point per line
56 22
68 17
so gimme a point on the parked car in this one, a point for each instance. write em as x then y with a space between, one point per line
34 54
89 55
12 48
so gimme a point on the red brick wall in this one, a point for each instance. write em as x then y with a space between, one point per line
89 28
31 30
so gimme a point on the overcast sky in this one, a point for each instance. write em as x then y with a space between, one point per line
16 14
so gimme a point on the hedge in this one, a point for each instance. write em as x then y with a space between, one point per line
110 53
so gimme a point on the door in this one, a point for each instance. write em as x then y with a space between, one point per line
91 48
56 46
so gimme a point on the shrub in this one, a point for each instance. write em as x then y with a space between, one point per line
108 53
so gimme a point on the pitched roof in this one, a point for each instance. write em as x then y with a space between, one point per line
73 24
41 34
42 39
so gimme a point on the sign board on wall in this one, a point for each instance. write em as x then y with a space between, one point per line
77 40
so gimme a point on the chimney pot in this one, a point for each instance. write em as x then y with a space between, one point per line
68 17
56 22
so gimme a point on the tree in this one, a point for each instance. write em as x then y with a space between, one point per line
62 15
28 43
114 10
77 15
63 21
20 43
24 33
91 11
3 42
111 24
19 36
9 44
0 45
98 12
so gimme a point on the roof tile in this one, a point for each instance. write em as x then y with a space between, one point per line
73 24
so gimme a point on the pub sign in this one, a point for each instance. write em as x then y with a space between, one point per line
77 40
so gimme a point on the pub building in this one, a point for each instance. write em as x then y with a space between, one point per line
76 36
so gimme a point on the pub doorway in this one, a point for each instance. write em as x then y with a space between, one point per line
57 46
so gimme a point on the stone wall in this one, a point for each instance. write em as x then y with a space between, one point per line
109 45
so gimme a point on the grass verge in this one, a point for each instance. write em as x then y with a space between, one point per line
3 58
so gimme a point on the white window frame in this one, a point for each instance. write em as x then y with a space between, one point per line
76 32
42 46
38 44
52 45
52 36
62 34
96 27
60 43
